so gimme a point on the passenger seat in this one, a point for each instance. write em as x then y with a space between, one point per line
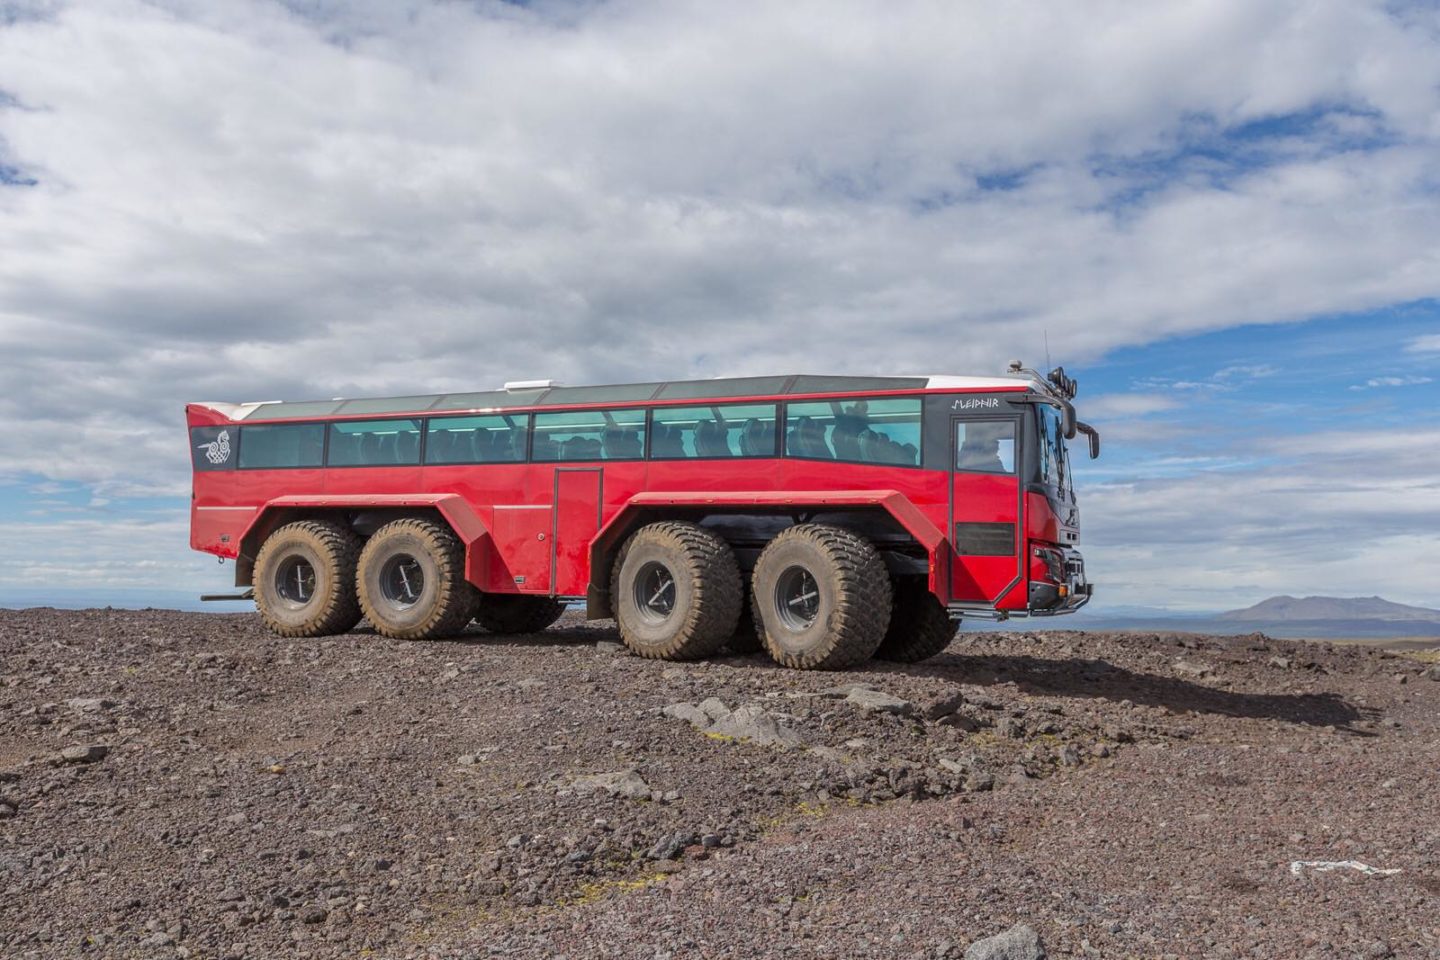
582 449
712 439
371 449
407 447
812 434
515 441
344 449
483 446
757 438
440 447
846 436
666 440
622 444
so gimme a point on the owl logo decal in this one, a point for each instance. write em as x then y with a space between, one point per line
217 451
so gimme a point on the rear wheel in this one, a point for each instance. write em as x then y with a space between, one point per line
920 627
305 579
676 591
516 613
412 582
822 597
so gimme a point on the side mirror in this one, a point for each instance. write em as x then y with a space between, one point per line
1067 421
1093 436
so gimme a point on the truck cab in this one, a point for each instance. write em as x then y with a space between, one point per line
1013 519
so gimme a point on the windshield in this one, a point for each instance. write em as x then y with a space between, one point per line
1054 460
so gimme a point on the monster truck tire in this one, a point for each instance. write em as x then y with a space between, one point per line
919 625
305 579
411 581
676 591
822 597
514 613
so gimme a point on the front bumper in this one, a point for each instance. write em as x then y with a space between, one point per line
1067 592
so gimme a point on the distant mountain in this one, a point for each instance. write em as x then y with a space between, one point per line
1283 609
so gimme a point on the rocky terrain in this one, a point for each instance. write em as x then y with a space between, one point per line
187 785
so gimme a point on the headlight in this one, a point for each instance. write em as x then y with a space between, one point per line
1054 563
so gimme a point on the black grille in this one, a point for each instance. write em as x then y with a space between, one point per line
985 539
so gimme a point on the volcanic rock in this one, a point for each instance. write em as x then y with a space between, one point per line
1020 942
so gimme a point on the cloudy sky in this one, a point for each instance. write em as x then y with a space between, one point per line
1223 215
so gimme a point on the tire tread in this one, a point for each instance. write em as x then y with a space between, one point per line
718 592
340 548
458 598
920 627
863 598
516 613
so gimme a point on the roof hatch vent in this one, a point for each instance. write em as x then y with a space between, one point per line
520 386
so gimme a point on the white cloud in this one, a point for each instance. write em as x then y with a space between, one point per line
1223 380
1247 371
1115 405
1225 577
100 551
1319 517
1430 343
1406 381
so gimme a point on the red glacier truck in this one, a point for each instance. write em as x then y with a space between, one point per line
826 520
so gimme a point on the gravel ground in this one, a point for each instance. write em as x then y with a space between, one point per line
187 785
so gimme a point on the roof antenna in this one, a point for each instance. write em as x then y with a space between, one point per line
1047 348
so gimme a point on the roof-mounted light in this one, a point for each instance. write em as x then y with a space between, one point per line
1065 385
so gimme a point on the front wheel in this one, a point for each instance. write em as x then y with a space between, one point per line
821 595
305 579
412 582
676 591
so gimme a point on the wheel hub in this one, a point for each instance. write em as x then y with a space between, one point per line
655 592
402 581
797 599
295 581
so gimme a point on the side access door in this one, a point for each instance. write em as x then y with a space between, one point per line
985 509
578 500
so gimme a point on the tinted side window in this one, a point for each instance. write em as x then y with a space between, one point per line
213 448
374 443
728 430
499 439
885 430
985 446
282 445
590 435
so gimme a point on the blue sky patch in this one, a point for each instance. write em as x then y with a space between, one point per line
1221 395
1206 152
13 177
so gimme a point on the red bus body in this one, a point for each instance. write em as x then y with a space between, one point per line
990 544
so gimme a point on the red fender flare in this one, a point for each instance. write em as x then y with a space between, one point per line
456 510
892 501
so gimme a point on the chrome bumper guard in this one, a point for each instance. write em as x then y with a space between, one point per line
1045 599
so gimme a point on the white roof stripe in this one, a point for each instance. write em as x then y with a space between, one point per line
946 382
